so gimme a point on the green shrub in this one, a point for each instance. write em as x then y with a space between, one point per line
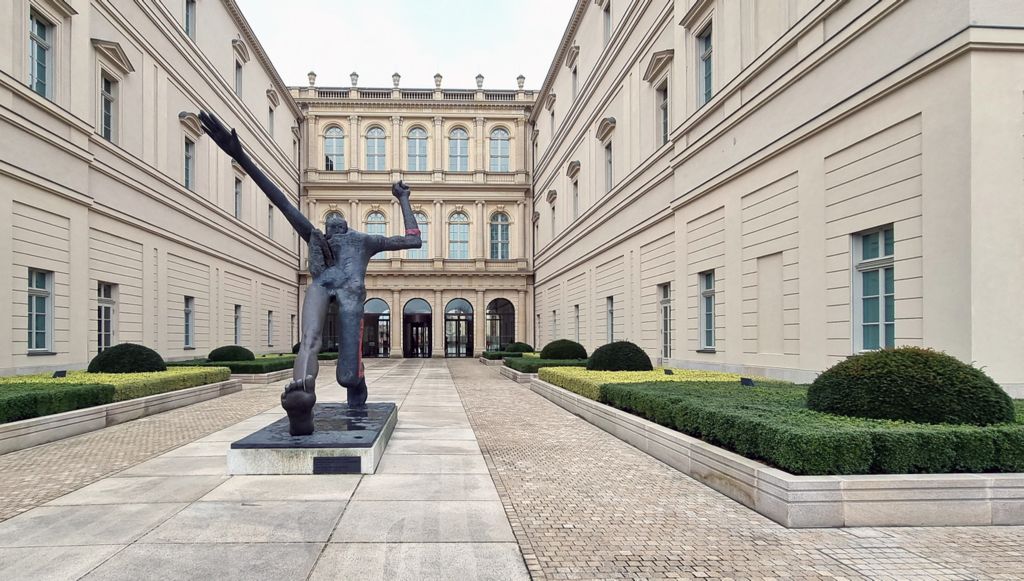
911 384
131 385
127 358
519 347
495 355
257 366
23 401
327 355
563 349
619 356
531 365
230 353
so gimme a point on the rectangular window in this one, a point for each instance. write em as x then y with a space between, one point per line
704 67
270 121
418 153
40 309
190 322
108 107
576 321
238 325
554 325
270 220
575 81
238 78
875 290
554 227
105 314
608 175
291 330
707 310
609 309
190 164
606 18
270 328
665 303
190 18
238 199
575 199
551 123
663 113
40 55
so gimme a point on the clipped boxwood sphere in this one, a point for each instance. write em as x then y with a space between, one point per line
127 358
231 353
563 349
911 384
519 347
619 356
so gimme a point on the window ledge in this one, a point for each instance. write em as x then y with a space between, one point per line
190 348
706 351
40 353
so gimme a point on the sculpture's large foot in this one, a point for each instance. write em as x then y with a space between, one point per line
298 400
357 394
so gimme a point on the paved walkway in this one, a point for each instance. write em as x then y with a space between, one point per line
430 512
585 505
483 479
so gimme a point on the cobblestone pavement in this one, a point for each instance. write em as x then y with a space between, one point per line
585 505
31 477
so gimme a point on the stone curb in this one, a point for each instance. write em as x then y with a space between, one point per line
872 500
492 362
516 376
263 378
35 431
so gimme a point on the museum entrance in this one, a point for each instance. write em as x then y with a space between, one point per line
501 325
329 335
416 333
376 329
458 329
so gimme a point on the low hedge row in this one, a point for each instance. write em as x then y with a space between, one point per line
257 366
533 365
125 385
771 423
588 383
327 356
23 401
495 355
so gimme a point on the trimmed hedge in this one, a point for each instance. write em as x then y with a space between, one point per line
563 349
327 356
588 383
257 366
531 365
519 347
130 385
495 355
23 401
231 353
127 358
911 384
771 423
619 356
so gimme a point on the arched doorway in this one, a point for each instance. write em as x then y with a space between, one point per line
376 329
458 329
416 323
501 324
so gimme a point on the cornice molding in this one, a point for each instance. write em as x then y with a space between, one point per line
261 55
695 12
114 54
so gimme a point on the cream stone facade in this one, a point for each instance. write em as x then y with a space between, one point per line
120 221
464 154
772 186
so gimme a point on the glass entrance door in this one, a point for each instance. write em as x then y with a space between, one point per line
458 329
418 343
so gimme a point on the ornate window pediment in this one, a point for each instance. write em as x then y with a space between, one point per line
605 128
658 63
114 54
273 98
241 51
550 103
573 169
536 217
552 196
571 55
191 122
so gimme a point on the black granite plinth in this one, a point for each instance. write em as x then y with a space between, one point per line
336 425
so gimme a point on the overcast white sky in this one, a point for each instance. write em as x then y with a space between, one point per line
416 38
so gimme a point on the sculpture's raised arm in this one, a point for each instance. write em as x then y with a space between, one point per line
412 238
227 139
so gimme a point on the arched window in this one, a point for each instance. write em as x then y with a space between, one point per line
422 252
499 236
458 236
458 150
417 150
333 214
375 146
334 149
499 150
377 224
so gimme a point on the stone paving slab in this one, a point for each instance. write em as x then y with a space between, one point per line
408 521
221 562
141 489
250 522
431 464
56 563
422 562
108 524
333 487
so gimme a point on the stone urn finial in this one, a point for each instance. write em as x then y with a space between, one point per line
312 78
437 80
479 81
395 79
520 80
354 77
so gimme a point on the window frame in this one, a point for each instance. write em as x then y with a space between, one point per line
575 80
575 198
500 161
705 50
706 311
106 310
554 324
576 321
189 322
416 149
237 325
664 120
609 166
500 236
457 153
47 44
237 198
884 265
665 318
334 137
270 120
376 224
189 169
270 221
609 311
606 23
376 149
189 19
109 98
46 293
423 252
270 328
239 79
458 247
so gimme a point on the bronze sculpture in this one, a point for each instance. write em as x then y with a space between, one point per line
337 261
